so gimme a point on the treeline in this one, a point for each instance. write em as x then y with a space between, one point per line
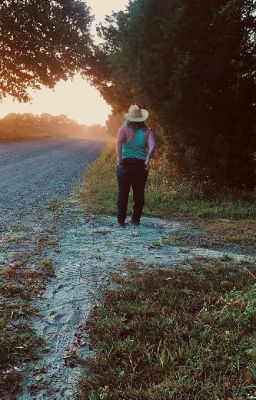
193 65
29 126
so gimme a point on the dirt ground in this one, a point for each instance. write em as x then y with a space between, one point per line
55 257
84 251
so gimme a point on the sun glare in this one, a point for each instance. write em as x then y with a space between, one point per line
76 99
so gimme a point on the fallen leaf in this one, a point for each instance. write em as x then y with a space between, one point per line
239 304
227 385
225 258
71 352
247 375
220 301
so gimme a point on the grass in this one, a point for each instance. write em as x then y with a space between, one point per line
19 137
180 334
20 282
241 231
18 344
45 265
54 205
186 333
165 195
215 233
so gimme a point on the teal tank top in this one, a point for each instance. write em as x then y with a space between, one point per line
136 147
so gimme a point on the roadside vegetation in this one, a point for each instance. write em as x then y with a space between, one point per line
182 333
18 342
27 126
167 195
199 87
24 274
186 333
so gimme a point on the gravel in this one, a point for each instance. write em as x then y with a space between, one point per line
34 172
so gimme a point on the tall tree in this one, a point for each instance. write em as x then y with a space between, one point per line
41 42
194 65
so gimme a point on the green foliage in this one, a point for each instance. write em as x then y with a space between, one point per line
113 124
174 334
166 194
193 65
41 42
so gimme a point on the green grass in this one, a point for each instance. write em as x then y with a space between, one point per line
165 195
174 334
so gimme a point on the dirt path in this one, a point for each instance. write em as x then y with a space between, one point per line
89 249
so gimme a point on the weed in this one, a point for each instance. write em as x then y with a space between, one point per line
166 194
45 240
54 205
238 231
45 265
174 334
18 344
14 239
20 227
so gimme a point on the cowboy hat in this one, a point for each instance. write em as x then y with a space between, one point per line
136 114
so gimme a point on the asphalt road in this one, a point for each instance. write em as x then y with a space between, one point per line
34 172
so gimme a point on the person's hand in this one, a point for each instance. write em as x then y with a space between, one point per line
147 164
119 163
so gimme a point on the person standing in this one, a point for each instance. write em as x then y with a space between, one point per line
135 145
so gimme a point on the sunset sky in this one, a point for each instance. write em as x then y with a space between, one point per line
77 99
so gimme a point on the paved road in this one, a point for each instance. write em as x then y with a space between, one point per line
33 173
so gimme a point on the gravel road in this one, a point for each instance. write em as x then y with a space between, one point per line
35 172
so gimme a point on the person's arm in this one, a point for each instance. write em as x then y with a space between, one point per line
119 141
151 147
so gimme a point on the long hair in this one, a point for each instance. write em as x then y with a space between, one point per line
136 125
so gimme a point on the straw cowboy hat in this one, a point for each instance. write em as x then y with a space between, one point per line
136 114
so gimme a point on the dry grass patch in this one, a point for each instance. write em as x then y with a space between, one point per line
54 205
15 238
174 334
45 265
236 231
20 282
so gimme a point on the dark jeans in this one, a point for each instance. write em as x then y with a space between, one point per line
131 174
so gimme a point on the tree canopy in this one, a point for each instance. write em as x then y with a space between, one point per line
193 65
41 42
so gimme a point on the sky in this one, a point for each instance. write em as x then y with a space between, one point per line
100 8
76 99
